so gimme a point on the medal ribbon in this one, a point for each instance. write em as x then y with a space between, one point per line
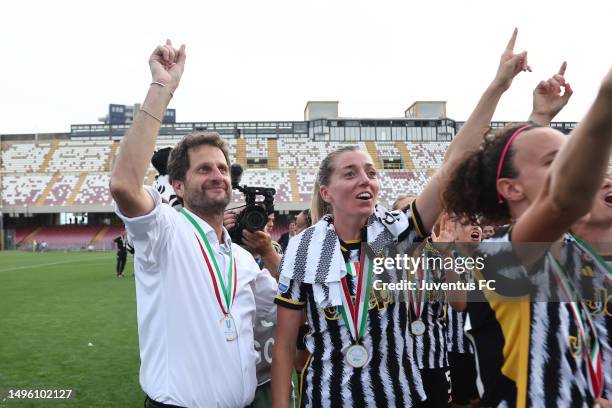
607 270
418 301
229 292
590 344
355 314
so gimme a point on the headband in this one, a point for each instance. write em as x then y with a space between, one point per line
503 156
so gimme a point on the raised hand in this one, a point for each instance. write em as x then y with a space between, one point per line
548 99
511 64
447 230
167 64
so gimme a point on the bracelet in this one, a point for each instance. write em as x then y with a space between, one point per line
151 115
163 86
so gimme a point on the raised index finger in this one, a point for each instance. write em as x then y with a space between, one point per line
563 68
510 46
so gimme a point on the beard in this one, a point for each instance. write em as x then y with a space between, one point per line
200 201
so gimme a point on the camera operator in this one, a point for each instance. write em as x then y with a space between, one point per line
260 244
262 247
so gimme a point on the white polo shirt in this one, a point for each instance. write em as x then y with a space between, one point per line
185 358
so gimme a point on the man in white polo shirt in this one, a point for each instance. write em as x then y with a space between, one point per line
194 288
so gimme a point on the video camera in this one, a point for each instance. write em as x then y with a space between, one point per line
254 217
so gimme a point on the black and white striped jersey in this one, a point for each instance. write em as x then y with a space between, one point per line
595 289
430 347
391 378
527 353
456 341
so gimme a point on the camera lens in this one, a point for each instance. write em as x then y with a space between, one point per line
255 218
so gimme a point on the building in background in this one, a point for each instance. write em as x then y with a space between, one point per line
54 186
124 114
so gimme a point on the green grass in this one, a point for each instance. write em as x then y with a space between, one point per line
51 306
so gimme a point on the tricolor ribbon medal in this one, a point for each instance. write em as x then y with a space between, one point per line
228 325
355 314
418 299
590 341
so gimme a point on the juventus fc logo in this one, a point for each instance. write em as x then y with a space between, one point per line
390 217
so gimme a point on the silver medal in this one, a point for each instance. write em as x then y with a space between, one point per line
417 327
229 328
356 356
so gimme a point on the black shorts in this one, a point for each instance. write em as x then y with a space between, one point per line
463 377
436 382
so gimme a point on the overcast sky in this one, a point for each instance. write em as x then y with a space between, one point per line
65 61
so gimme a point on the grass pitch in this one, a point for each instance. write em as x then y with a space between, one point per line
52 305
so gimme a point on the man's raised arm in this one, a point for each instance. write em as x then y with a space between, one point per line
136 149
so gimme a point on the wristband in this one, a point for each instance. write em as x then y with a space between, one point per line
163 86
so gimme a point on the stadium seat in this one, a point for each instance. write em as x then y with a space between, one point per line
23 157
23 189
76 156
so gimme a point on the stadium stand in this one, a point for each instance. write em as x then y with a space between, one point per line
272 154
106 236
61 190
23 189
266 178
74 156
63 236
387 150
25 233
23 157
427 155
396 183
94 190
306 181
257 148
302 153
70 173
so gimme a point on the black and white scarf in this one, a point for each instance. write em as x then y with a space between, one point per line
314 255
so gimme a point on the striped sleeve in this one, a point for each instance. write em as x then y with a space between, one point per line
502 265
415 225
292 296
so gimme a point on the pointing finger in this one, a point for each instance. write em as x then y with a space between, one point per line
563 68
510 46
